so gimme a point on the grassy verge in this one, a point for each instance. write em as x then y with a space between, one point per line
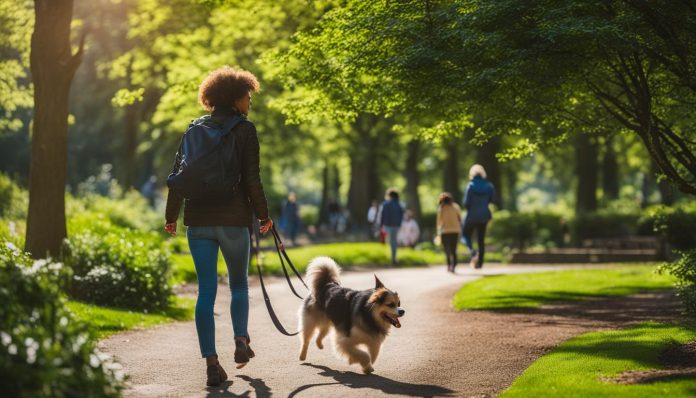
104 321
575 368
345 254
535 289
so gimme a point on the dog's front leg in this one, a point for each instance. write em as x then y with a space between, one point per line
373 348
354 354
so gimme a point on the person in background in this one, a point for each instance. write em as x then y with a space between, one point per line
449 218
291 217
409 233
479 194
372 213
392 215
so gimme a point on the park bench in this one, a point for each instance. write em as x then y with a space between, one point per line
599 250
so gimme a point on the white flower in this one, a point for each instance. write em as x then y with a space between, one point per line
12 349
6 338
31 355
12 247
93 361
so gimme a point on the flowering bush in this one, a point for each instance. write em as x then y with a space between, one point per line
118 267
44 352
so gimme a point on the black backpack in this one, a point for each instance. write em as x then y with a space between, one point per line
206 168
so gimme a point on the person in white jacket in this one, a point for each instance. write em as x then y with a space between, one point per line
409 231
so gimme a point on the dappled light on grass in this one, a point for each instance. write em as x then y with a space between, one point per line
577 367
535 289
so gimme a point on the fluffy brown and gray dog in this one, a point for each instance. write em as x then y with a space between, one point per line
358 317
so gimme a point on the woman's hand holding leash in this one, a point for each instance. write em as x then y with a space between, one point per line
266 225
170 228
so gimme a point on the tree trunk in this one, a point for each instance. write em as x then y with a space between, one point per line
52 67
323 208
610 171
664 186
586 170
364 181
510 172
413 178
451 181
485 156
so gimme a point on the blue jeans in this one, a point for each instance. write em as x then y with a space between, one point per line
392 232
204 244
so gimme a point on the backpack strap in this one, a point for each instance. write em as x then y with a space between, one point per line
231 122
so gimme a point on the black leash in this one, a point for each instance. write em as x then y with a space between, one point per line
281 252
280 249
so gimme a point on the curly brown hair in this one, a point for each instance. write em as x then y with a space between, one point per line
222 87
445 198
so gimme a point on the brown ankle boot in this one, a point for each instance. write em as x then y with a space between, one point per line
241 350
223 374
213 373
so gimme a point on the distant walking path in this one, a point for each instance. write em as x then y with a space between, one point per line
437 352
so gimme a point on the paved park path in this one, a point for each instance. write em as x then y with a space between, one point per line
436 353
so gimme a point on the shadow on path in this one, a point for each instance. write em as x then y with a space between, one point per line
375 382
261 390
221 391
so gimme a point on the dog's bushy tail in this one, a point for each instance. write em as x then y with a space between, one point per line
320 271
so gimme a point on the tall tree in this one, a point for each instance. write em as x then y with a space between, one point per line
610 170
527 64
53 66
486 157
586 170
412 176
450 177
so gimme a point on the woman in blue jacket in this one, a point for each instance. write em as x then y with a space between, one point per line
479 194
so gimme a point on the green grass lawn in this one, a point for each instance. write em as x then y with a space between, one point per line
574 368
104 321
534 289
345 254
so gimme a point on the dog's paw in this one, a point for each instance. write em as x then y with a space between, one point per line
369 369
303 357
320 345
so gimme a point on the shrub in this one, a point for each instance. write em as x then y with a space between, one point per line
676 225
131 210
521 230
684 269
604 224
118 267
14 201
44 352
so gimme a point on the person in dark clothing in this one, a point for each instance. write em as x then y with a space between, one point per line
224 226
391 215
479 194
291 217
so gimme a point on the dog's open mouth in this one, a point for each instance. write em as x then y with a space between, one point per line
391 319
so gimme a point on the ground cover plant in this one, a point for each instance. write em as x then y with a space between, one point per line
105 321
535 289
584 365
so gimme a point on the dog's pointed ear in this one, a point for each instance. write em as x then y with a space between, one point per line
378 283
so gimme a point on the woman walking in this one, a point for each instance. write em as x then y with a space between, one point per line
449 219
479 194
391 216
224 225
